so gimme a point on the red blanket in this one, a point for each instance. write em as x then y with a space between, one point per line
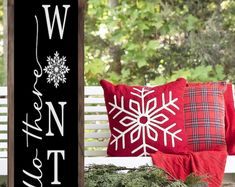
210 163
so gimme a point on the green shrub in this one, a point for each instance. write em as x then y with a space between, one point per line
3 185
145 176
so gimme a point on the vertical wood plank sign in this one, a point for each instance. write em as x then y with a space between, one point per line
46 98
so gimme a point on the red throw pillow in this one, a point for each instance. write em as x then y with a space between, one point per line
145 119
230 118
204 116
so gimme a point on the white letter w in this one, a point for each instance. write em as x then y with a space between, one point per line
56 17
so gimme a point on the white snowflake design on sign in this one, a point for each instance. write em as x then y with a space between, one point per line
144 120
56 69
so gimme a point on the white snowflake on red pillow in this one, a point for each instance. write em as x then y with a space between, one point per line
144 120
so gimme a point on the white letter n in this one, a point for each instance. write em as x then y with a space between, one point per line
50 26
60 124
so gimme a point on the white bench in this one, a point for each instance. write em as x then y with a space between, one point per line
96 134
3 131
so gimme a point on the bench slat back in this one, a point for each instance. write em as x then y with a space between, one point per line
3 122
96 122
96 130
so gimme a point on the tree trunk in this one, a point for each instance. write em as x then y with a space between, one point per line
116 53
114 50
113 3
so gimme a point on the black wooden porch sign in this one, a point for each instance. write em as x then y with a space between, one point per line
46 96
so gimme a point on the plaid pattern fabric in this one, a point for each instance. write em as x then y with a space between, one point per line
204 116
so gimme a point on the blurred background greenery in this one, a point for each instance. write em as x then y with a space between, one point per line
2 62
156 41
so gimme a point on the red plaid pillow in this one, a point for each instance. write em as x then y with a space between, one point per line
230 118
143 119
204 116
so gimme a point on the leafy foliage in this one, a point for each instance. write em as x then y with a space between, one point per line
2 72
154 41
3 185
195 180
145 176
2 64
200 73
